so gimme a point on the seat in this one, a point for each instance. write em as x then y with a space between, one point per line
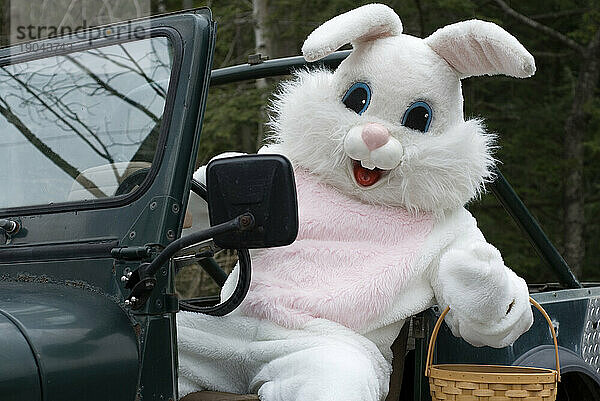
398 349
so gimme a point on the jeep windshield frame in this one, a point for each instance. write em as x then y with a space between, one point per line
61 233
82 42
502 190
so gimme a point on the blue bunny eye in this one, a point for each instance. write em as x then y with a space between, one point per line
358 97
418 116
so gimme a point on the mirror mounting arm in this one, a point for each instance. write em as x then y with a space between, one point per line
10 227
142 280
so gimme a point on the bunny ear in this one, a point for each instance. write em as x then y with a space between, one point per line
481 48
362 24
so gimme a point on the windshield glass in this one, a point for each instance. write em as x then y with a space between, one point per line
83 125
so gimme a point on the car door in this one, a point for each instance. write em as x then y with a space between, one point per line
99 136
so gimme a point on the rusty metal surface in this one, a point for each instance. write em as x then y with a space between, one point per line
590 344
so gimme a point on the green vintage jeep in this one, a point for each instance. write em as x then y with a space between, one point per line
99 135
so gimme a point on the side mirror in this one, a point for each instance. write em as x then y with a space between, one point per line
262 185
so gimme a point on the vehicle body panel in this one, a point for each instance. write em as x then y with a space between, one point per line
84 345
19 378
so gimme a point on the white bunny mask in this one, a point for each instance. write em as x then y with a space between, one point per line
387 125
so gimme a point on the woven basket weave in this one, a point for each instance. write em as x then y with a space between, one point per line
453 382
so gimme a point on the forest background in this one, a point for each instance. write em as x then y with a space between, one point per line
548 125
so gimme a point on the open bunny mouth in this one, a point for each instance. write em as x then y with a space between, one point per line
372 152
365 177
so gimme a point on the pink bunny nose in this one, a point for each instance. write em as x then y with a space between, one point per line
375 135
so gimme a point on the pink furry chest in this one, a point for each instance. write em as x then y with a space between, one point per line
347 264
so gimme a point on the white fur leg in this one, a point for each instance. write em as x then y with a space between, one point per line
321 374
489 303
207 360
323 361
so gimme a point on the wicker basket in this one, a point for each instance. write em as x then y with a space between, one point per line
491 383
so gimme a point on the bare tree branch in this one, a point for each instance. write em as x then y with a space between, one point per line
50 154
549 54
106 155
231 49
113 91
139 71
562 13
540 27
594 43
421 18
161 92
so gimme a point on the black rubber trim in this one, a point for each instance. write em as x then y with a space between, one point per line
58 252
208 300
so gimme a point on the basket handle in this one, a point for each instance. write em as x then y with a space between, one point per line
438 324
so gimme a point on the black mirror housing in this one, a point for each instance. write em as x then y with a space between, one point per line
262 185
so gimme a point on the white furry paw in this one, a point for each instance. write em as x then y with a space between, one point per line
507 330
489 303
